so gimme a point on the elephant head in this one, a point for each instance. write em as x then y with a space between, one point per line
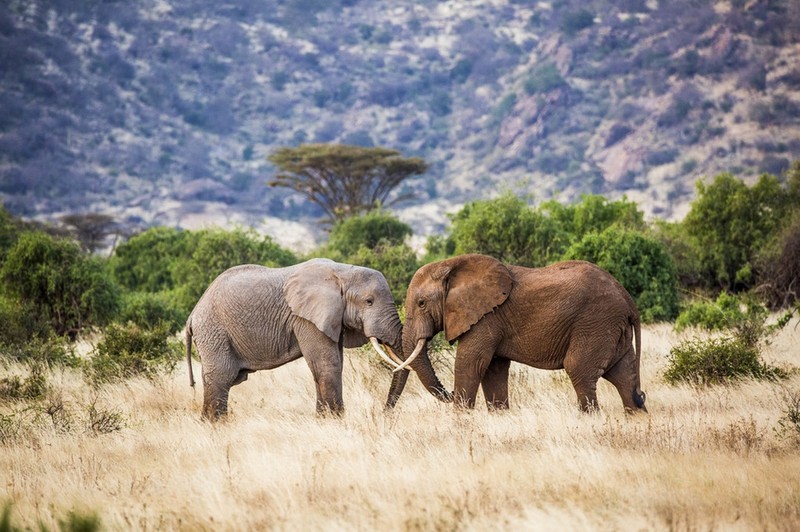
346 301
450 296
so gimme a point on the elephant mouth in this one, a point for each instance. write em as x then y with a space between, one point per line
392 358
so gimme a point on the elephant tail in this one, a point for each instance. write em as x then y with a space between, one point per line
189 350
638 396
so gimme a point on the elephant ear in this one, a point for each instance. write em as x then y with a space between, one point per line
314 293
475 286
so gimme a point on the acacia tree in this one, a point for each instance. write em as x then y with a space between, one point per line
344 180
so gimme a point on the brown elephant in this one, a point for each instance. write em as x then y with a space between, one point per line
571 315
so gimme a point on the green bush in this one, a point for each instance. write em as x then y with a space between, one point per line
368 230
731 223
215 250
48 350
146 261
31 388
148 310
397 262
507 229
640 263
544 78
725 312
17 322
66 288
593 214
717 361
129 350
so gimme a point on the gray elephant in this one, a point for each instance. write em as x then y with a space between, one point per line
252 318
571 315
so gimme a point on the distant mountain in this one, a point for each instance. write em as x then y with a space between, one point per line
163 111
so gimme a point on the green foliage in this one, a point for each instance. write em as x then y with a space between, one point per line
64 287
213 251
175 267
343 180
789 423
17 321
731 223
375 240
129 350
31 388
640 263
367 230
543 78
397 262
727 311
146 261
507 229
149 309
575 21
594 213
683 250
48 350
717 361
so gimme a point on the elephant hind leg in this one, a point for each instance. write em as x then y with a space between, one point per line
217 385
495 384
624 378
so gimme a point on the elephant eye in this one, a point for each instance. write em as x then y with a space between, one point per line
421 303
369 301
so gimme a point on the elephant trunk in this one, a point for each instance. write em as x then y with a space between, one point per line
423 368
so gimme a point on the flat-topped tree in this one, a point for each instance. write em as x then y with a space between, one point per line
344 180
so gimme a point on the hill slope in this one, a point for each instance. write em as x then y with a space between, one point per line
163 111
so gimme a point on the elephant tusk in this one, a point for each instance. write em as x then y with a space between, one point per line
391 354
417 351
381 352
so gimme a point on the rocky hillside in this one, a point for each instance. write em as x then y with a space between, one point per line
163 111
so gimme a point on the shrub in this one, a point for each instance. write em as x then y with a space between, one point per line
146 261
789 423
508 230
368 230
129 350
49 350
640 263
397 262
544 78
594 213
17 322
731 223
779 277
215 250
726 312
148 310
574 22
66 288
717 361
32 387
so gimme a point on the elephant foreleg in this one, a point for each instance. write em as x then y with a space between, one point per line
328 380
495 384
470 368
584 376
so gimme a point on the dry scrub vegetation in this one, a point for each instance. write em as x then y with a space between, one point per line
137 455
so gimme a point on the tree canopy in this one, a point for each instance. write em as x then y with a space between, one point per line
344 180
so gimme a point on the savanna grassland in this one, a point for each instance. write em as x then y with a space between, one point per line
137 455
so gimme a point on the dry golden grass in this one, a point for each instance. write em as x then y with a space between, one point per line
702 459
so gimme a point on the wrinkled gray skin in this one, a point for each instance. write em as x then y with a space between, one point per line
253 317
571 315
